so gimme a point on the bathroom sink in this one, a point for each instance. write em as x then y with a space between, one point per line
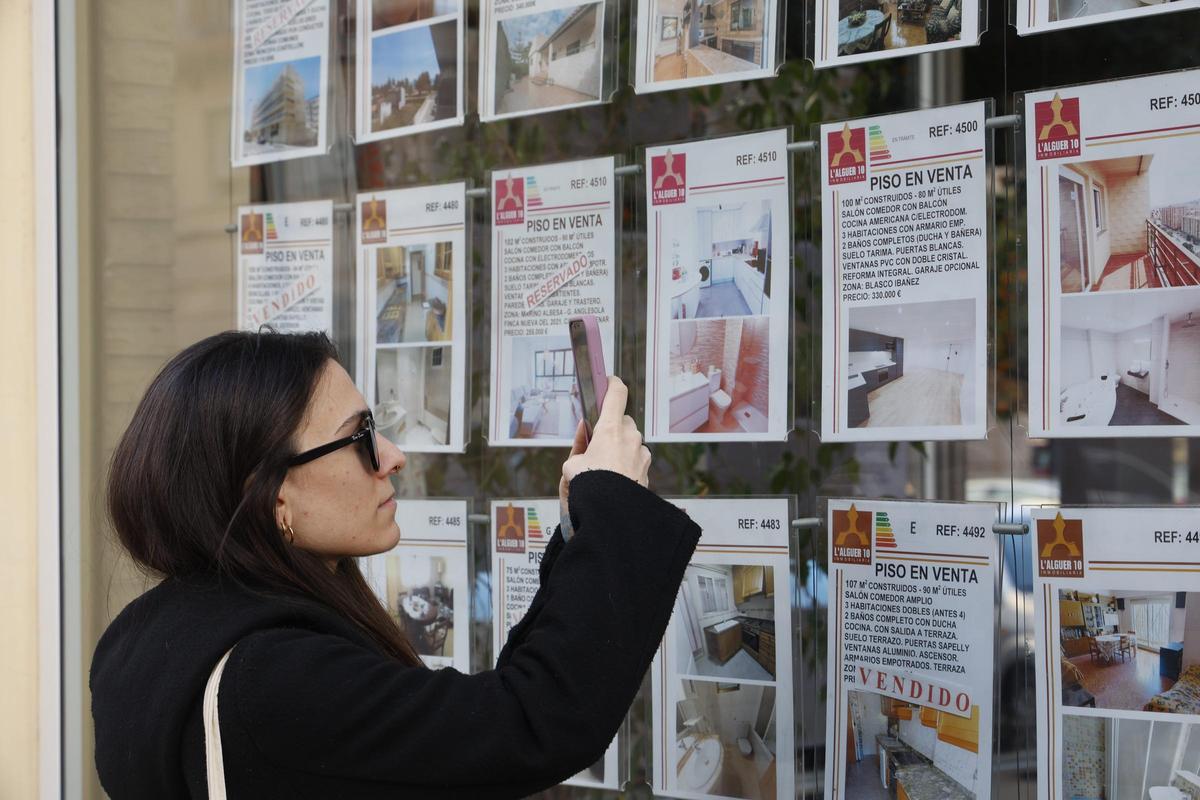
1166 793
703 768
684 382
388 415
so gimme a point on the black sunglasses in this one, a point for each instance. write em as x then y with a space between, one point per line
364 435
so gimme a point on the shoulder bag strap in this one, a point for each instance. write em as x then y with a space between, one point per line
214 761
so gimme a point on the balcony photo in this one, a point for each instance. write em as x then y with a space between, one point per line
699 38
551 59
724 624
1129 223
414 76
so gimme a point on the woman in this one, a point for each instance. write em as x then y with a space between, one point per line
249 479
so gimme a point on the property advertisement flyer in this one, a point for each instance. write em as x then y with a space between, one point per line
521 529
1117 645
412 305
280 80
855 31
1113 209
718 246
722 678
539 55
718 42
553 258
285 266
1039 16
423 580
409 67
911 635
905 255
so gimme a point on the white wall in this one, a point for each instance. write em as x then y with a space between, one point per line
1075 357
580 72
400 377
737 707
1103 349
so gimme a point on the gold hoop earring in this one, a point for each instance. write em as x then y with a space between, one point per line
289 534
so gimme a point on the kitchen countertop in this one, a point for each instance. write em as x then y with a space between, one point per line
763 625
927 782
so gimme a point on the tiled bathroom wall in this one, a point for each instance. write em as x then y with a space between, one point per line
754 374
1084 770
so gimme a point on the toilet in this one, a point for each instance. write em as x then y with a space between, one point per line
743 742
718 401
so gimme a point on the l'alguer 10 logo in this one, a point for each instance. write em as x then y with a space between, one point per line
1056 128
1060 547
852 536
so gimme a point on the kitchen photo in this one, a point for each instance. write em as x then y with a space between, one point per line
725 740
719 379
1130 359
912 365
724 624
1131 222
543 397
412 293
900 749
728 273
412 394
1130 650
1110 758
418 595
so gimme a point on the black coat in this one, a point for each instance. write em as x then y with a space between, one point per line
310 708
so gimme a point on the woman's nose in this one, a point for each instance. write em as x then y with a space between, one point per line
391 457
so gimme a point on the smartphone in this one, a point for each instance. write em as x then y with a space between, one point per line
590 375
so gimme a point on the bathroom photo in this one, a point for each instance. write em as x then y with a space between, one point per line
724 624
719 376
903 749
1130 359
417 591
412 293
543 396
1117 758
912 365
725 740
725 270
412 394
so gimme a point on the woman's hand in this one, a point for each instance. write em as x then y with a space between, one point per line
616 443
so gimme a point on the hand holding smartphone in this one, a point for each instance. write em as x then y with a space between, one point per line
590 374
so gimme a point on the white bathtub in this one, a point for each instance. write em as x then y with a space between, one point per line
1089 403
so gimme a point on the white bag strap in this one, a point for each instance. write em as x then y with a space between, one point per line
213 759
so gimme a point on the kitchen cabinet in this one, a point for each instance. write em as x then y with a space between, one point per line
723 640
895 709
960 731
1070 613
929 717
1076 647
769 581
858 408
747 581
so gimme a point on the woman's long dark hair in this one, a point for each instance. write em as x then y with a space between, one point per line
194 480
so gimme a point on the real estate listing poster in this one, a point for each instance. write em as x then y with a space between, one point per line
1117 651
409 67
1038 16
521 529
423 580
553 257
280 80
905 255
285 266
1113 209
412 306
853 31
718 246
722 679
911 644
540 55
681 44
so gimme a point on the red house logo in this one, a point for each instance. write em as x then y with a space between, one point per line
510 529
847 155
374 221
668 178
1056 125
252 234
1060 547
510 200
852 535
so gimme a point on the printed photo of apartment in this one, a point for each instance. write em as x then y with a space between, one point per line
412 293
552 59
725 622
725 740
1130 223
1107 757
1130 650
1130 359
390 13
869 26
283 105
418 594
414 75
543 398
728 273
719 379
412 394
903 749
1071 9
699 38
911 365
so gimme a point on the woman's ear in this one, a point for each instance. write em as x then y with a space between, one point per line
283 509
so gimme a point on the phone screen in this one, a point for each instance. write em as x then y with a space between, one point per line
583 374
